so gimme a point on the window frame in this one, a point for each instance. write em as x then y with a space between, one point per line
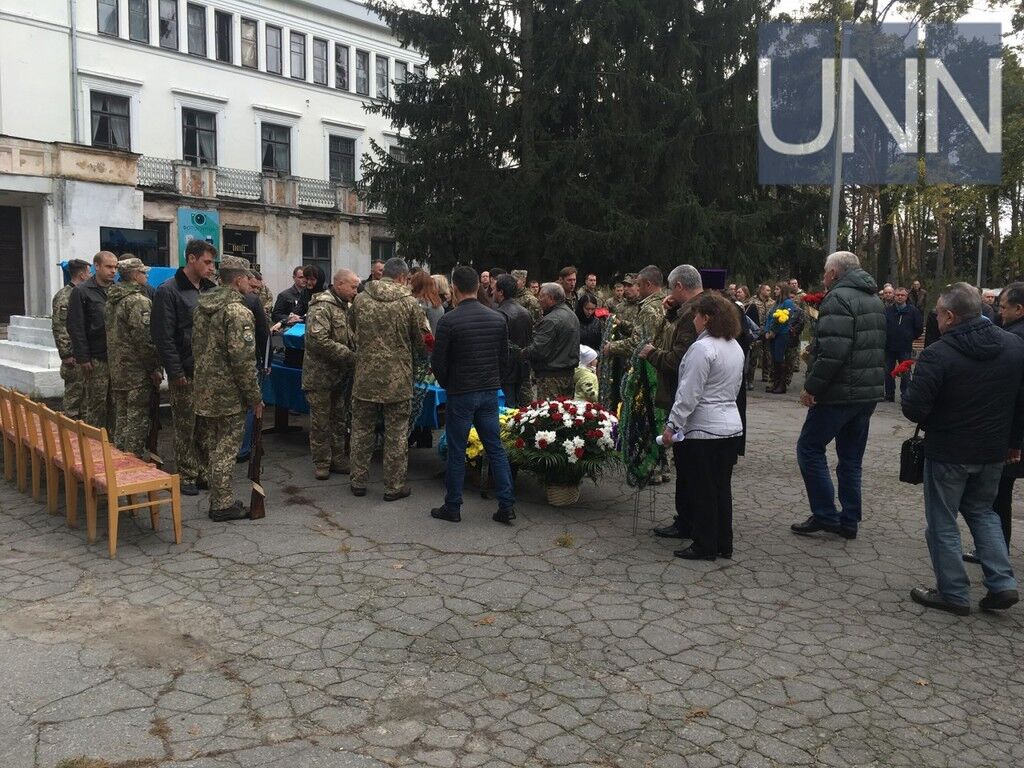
319 41
218 15
255 41
263 147
377 77
294 37
145 11
93 93
405 68
313 239
189 7
331 155
117 17
280 48
196 161
338 83
362 56
173 5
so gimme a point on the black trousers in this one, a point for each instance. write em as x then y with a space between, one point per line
708 466
683 520
1003 504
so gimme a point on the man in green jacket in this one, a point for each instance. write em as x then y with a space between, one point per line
845 380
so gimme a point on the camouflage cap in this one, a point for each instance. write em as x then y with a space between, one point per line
131 264
235 264
629 279
520 274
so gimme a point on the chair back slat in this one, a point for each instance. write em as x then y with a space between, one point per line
88 435
18 412
51 441
6 414
68 433
34 424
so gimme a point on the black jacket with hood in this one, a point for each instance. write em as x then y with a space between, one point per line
968 394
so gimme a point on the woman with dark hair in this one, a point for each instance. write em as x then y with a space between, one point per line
590 324
776 335
424 290
315 282
704 425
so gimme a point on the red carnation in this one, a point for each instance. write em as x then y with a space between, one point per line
520 443
579 453
428 341
601 312
542 443
813 298
901 369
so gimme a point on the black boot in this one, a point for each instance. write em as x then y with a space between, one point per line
779 373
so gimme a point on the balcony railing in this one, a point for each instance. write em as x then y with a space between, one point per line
237 184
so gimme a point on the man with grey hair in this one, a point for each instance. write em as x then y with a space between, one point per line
649 317
843 385
554 351
971 432
388 328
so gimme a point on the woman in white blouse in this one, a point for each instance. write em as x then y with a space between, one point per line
704 425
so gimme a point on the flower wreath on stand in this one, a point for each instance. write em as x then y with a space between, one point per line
562 441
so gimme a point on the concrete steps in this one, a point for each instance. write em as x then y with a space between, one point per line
28 359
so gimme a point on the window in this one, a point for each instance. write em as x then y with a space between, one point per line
343 160
196 29
277 148
110 121
341 66
319 61
397 153
401 71
222 23
381 63
138 20
298 59
420 70
250 44
169 24
316 252
161 255
241 243
363 73
381 250
273 35
199 136
106 17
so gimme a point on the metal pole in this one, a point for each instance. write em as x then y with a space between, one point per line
981 245
837 165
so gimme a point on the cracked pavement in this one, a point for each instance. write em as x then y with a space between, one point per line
346 632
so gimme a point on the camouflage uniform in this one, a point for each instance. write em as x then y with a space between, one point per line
388 325
529 302
224 345
760 352
645 327
551 387
132 358
74 384
326 372
266 299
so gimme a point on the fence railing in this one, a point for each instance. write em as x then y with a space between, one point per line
317 193
156 172
244 185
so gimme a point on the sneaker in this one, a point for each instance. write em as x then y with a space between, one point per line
812 525
443 513
999 601
235 512
932 598
506 516
395 496
189 489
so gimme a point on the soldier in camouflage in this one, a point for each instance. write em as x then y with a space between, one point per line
327 373
71 374
224 345
389 326
524 298
263 293
135 369
649 315
86 325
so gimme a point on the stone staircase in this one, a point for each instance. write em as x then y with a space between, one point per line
28 359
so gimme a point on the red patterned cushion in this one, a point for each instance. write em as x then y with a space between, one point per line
131 475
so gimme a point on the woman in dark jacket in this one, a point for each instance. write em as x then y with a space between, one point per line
590 325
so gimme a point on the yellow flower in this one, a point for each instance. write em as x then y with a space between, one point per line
781 316
474 447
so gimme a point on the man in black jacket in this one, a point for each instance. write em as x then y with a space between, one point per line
554 352
171 326
87 327
968 395
520 334
470 359
903 324
843 385
289 301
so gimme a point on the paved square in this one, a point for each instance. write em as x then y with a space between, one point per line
350 632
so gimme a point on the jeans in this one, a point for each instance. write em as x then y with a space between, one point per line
480 410
891 359
848 426
968 489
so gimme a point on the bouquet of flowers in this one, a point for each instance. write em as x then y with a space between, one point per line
902 368
474 446
781 316
562 441
813 299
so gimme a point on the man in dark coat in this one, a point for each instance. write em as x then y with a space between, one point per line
903 324
520 334
843 385
289 301
86 325
967 395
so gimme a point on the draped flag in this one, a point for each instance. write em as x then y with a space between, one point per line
638 425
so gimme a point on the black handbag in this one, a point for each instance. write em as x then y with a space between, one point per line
912 459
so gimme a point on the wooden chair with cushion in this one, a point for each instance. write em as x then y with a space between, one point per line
54 457
26 455
9 428
116 478
35 443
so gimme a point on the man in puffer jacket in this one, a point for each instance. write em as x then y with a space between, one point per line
845 380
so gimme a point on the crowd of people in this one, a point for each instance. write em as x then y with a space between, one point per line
208 331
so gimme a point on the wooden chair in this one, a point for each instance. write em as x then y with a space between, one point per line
54 457
34 443
25 455
9 429
127 480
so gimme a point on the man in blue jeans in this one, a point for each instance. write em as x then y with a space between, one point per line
470 360
971 433
844 383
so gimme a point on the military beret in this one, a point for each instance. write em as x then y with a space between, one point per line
235 264
520 274
629 279
131 264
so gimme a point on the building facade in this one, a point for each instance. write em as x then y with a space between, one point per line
136 125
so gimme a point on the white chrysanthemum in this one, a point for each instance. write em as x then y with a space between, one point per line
544 436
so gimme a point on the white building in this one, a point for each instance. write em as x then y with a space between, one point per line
121 119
